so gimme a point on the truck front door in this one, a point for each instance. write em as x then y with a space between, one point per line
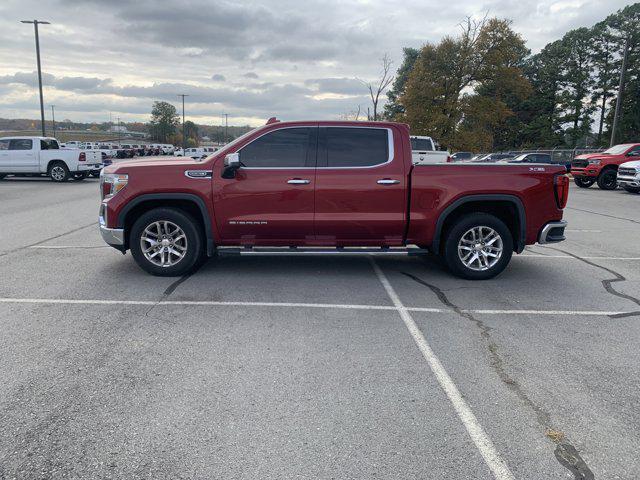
270 200
360 187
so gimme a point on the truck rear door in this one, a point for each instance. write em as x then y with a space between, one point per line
23 155
271 197
360 186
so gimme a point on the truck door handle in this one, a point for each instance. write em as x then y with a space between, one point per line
298 181
388 181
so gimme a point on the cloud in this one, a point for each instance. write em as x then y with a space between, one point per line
250 75
218 78
344 86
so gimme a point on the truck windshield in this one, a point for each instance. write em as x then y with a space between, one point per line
617 149
423 144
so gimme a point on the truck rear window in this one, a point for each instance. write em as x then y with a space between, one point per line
21 144
356 147
421 144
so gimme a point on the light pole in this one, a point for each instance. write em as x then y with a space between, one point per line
184 138
53 119
226 128
119 131
35 27
616 115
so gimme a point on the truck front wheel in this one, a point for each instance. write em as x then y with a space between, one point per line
167 242
584 182
607 180
58 172
478 246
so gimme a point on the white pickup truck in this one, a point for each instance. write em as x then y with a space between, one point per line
423 150
43 156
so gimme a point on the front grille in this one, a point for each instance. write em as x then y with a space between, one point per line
580 163
630 172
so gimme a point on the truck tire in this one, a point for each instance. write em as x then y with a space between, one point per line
58 172
167 242
607 180
632 189
583 182
79 176
478 246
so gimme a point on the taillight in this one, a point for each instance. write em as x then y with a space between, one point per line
561 189
449 159
83 157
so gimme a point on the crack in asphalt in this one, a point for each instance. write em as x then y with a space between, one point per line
604 215
606 283
564 452
172 288
17 249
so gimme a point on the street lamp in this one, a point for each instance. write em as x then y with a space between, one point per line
184 138
35 27
53 119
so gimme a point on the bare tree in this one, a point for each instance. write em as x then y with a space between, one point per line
378 87
352 115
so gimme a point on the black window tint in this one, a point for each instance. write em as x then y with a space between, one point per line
4 144
356 147
421 144
20 144
285 148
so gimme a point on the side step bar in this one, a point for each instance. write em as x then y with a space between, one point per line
235 251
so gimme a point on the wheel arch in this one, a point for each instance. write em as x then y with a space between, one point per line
190 203
508 208
56 160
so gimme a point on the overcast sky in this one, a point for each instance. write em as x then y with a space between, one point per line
294 59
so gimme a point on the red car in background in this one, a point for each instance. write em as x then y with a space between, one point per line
602 167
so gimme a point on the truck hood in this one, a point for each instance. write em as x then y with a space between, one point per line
593 156
120 167
632 164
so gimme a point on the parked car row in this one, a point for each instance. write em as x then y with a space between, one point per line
197 153
125 150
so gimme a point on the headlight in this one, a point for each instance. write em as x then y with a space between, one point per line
112 183
594 162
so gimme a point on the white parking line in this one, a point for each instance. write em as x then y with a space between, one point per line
482 441
208 303
539 255
64 247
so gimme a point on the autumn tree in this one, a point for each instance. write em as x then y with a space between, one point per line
164 120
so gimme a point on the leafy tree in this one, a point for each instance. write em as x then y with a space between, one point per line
164 120
191 131
393 109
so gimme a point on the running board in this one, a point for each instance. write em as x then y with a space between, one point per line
235 251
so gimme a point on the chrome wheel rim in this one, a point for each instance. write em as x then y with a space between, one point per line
480 248
163 243
57 173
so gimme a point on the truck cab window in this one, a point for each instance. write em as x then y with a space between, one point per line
285 148
21 144
356 147
4 145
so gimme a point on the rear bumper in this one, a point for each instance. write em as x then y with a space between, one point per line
84 167
552 232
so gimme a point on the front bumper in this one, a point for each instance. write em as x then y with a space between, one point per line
584 172
112 236
628 181
552 232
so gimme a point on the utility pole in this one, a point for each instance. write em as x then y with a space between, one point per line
35 27
184 138
53 118
119 144
616 115
226 127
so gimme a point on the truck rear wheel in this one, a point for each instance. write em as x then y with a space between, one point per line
583 182
607 180
167 242
478 246
632 189
58 172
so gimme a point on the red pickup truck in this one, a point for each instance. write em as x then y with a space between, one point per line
603 167
334 185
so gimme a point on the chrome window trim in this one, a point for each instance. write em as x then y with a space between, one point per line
390 146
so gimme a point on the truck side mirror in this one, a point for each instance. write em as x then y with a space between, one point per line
231 165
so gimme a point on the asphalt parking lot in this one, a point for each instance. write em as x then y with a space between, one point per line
315 366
